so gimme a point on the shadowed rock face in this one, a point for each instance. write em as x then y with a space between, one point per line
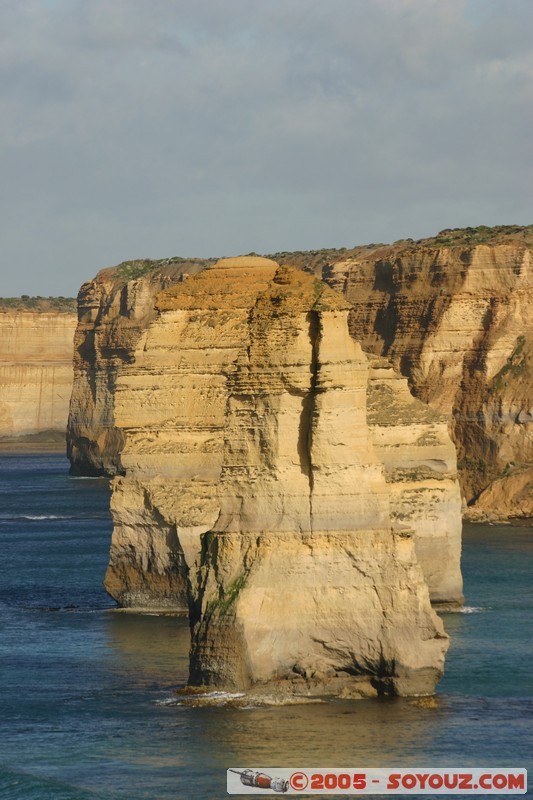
456 321
256 490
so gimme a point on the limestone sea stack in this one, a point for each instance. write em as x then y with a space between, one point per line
255 490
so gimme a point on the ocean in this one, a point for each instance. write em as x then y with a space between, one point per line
87 703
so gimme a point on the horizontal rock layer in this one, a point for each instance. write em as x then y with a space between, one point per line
35 371
457 322
453 318
419 459
252 432
113 310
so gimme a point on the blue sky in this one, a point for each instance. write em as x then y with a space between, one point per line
149 129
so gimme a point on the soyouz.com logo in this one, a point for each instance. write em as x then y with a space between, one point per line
355 781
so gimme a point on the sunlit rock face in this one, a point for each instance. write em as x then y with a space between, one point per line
114 310
456 321
260 490
412 442
452 315
35 371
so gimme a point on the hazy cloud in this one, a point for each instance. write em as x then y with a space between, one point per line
134 129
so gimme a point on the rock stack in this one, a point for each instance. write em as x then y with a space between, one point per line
284 488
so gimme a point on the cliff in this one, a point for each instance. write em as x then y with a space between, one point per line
454 317
252 432
114 309
35 370
451 313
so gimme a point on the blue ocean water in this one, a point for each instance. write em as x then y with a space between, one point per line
86 693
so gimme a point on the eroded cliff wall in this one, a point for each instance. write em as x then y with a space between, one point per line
452 313
412 442
255 490
114 309
456 320
35 371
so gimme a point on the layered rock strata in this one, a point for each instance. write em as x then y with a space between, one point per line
456 320
253 490
452 313
114 310
412 442
35 372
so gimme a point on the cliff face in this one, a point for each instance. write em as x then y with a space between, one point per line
412 442
456 321
252 432
35 371
452 315
113 311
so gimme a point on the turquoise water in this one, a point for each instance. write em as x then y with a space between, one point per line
85 691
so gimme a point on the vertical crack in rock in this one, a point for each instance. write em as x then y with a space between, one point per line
305 432
245 419
423 305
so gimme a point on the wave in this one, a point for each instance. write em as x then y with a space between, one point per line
41 517
210 698
35 516
87 478
167 701
466 610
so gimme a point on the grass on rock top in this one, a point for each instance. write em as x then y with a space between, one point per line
313 261
483 234
41 304
137 268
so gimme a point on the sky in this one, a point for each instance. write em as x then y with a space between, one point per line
158 128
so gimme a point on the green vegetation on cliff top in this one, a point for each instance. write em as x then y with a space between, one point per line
499 234
26 303
313 261
136 268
